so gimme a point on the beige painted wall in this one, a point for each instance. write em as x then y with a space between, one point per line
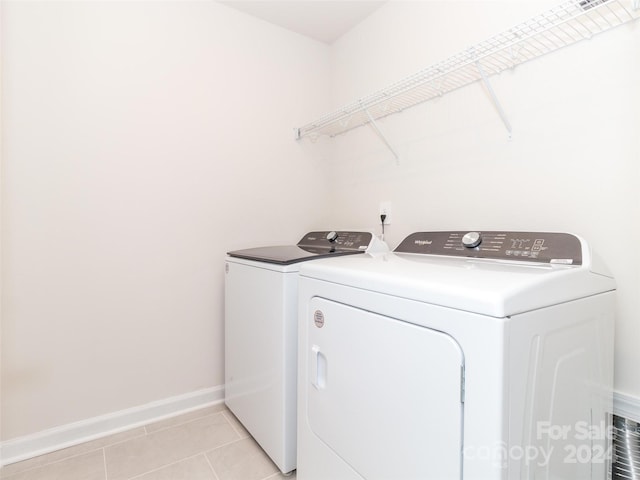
573 163
142 140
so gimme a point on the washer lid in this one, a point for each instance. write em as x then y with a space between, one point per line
498 288
288 254
312 246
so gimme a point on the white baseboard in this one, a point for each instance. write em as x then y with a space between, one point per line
75 433
626 406
47 441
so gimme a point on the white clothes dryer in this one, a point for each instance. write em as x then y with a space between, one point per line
261 295
461 355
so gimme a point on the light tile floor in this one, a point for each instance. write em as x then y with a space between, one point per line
208 444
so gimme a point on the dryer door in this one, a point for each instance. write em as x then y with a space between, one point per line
385 395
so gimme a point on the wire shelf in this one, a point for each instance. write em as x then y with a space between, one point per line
563 25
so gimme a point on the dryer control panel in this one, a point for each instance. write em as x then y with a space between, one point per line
541 247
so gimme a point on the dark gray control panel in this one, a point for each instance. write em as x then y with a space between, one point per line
541 247
342 241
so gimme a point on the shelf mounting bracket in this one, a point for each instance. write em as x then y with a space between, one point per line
374 125
494 98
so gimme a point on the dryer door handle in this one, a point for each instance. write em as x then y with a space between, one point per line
318 368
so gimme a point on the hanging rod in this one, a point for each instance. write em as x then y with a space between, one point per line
563 25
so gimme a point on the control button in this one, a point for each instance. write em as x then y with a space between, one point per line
472 239
332 236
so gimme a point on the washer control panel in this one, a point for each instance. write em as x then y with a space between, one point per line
542 247
338 240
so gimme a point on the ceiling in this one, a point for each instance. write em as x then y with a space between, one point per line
323 20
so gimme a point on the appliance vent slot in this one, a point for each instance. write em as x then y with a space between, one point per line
626 449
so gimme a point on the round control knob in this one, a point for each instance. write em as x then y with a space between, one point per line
332 236
472 239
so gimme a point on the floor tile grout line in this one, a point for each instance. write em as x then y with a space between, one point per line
180 423
224 445
272 475
68 457
104 462
141 435
107 445
47 464
201 452
213 470
278 474
169 427
104 447
226 417
168 465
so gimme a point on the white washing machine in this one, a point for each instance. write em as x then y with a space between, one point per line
261 295
475 356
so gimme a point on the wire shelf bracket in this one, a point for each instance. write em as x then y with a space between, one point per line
375 126
494 98
561 26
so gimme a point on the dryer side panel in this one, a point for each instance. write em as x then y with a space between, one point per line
562 387
368 376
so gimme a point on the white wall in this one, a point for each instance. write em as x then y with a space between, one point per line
573 163
142 140
1 221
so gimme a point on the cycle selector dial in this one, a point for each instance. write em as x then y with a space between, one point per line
472 239
332 236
